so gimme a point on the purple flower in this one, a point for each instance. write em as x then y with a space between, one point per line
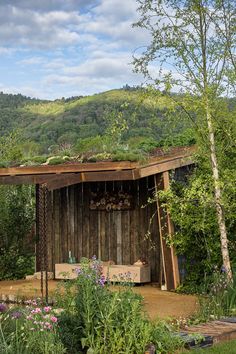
78 270
94 258
3 308
16 315
102 280
223 269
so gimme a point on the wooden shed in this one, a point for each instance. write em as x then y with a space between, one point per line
100 208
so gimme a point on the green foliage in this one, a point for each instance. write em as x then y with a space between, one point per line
56 161
128 156
36 160
10 147
116 115
93 144
228 347
70 332
16 215
140 143
117 124
218 298
192 210
109 322
14 264
204 62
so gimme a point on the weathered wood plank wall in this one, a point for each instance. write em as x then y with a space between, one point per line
114 235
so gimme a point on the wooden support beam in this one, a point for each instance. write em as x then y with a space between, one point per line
68 179
170 227
56 181
170 262
29 179
165 166
124 175
63 180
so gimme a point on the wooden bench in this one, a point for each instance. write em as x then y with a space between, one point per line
114 273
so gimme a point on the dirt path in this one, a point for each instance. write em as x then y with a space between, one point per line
157 303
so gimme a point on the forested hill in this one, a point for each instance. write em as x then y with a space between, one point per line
139 120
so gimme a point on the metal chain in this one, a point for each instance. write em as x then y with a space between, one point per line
43 198
46 240
41 243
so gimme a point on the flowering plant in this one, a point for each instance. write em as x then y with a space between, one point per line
41 319
31 330
91 271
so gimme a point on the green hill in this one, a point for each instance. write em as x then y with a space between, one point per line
128 116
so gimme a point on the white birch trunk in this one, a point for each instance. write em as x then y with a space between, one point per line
218 197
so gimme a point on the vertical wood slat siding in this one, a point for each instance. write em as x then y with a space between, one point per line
50 232
114 235
56 222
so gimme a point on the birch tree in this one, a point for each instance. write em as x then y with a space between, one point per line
192 51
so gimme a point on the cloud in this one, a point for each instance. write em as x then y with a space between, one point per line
100 67
50 5
68 47
6 51
32 61
29 28
24 24
94 75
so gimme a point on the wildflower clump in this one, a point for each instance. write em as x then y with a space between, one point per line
32 329
90 271
41 319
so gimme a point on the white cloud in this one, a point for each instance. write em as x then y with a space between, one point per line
32 61
94 75
50 5
35 29
6 51
68 49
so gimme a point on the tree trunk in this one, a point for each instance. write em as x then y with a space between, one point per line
218 196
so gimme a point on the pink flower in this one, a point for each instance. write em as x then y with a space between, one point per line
47 309
54 319
37 310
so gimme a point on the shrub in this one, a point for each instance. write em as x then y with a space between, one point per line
14 265
127 156
218 299
56 161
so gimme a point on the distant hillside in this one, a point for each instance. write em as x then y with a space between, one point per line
72 122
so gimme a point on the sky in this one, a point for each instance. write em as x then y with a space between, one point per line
61 48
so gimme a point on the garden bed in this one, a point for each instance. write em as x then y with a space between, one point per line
157 303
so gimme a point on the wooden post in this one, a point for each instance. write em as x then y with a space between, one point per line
166 228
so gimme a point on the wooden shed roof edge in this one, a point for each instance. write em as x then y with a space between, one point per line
56 179
94 166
